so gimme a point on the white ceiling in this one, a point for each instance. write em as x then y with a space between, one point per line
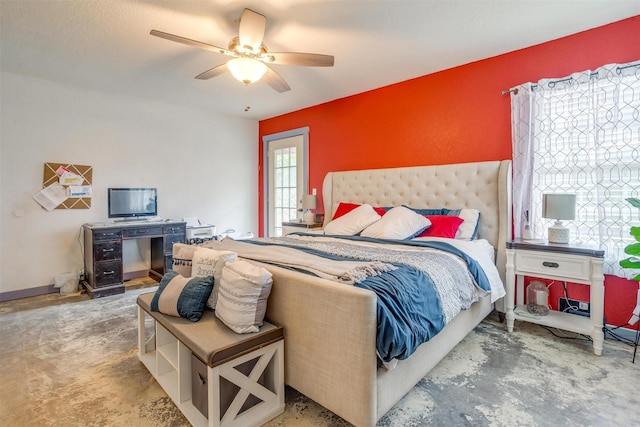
104 45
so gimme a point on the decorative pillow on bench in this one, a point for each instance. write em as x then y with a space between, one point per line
242 297
182 296
182 256
209 262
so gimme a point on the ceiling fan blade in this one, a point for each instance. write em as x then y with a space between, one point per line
251 32
189 42
295 58
213 72
274 80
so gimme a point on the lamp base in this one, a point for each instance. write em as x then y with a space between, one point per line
558 233
309 217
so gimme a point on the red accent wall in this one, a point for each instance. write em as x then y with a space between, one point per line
454 116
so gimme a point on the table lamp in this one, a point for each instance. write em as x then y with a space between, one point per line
308 203
558 207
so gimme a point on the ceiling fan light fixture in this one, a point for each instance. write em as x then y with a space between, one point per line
246 70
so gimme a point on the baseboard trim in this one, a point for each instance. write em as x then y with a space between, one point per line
130 275
26 293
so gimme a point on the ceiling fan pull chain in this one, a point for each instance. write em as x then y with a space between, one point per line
246 98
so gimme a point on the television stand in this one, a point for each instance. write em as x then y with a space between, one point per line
103 269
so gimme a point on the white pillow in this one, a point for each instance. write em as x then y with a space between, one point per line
208 262
353 222
398 223
468 230
242 297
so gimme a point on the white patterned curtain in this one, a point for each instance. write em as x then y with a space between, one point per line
581 135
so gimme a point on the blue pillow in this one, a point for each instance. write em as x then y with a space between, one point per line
182 296
441 211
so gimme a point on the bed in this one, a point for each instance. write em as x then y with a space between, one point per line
331 328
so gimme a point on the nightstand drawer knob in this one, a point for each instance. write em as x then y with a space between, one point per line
550 264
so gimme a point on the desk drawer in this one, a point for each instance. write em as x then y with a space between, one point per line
107 273
175 229
170 239
108 234
142 231
104 251
569 266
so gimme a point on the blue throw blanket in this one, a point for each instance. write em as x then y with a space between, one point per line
415 300
409 312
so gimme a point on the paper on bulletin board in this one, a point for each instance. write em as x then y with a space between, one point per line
69 178
51 197
79 191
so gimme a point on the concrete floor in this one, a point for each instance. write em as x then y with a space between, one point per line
71 361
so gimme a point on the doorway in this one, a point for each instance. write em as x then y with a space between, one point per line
285 177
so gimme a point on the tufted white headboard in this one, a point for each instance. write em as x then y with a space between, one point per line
482 185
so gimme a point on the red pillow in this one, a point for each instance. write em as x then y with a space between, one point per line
442 226
345 208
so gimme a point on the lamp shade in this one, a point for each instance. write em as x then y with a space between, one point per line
559 206
246 70
309 201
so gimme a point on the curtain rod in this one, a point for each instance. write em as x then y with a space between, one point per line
552 83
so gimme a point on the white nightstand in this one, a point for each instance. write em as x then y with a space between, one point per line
293 226
565 262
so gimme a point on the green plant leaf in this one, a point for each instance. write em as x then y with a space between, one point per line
635 231
630 263
634 202
632 249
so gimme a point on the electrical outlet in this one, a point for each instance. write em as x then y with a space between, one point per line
581 308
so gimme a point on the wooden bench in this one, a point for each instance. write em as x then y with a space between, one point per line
215 376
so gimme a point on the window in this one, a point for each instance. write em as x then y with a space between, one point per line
581 135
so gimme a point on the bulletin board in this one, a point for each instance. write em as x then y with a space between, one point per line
85 172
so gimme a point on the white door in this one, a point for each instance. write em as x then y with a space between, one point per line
286 178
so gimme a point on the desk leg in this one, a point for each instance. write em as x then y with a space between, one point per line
597 304
510 289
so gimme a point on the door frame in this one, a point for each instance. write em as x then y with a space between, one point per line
304 132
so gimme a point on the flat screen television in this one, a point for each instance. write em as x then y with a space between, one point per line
132 202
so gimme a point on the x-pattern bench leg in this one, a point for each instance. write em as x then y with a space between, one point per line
270 363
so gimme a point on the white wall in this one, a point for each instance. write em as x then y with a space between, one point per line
203 164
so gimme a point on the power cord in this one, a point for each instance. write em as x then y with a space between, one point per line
627 341
605 329
566 298
79 238
580 337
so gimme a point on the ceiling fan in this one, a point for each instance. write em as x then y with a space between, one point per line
250 55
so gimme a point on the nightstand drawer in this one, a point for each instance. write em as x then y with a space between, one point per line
567 266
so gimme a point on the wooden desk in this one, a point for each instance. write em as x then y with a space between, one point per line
103 271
